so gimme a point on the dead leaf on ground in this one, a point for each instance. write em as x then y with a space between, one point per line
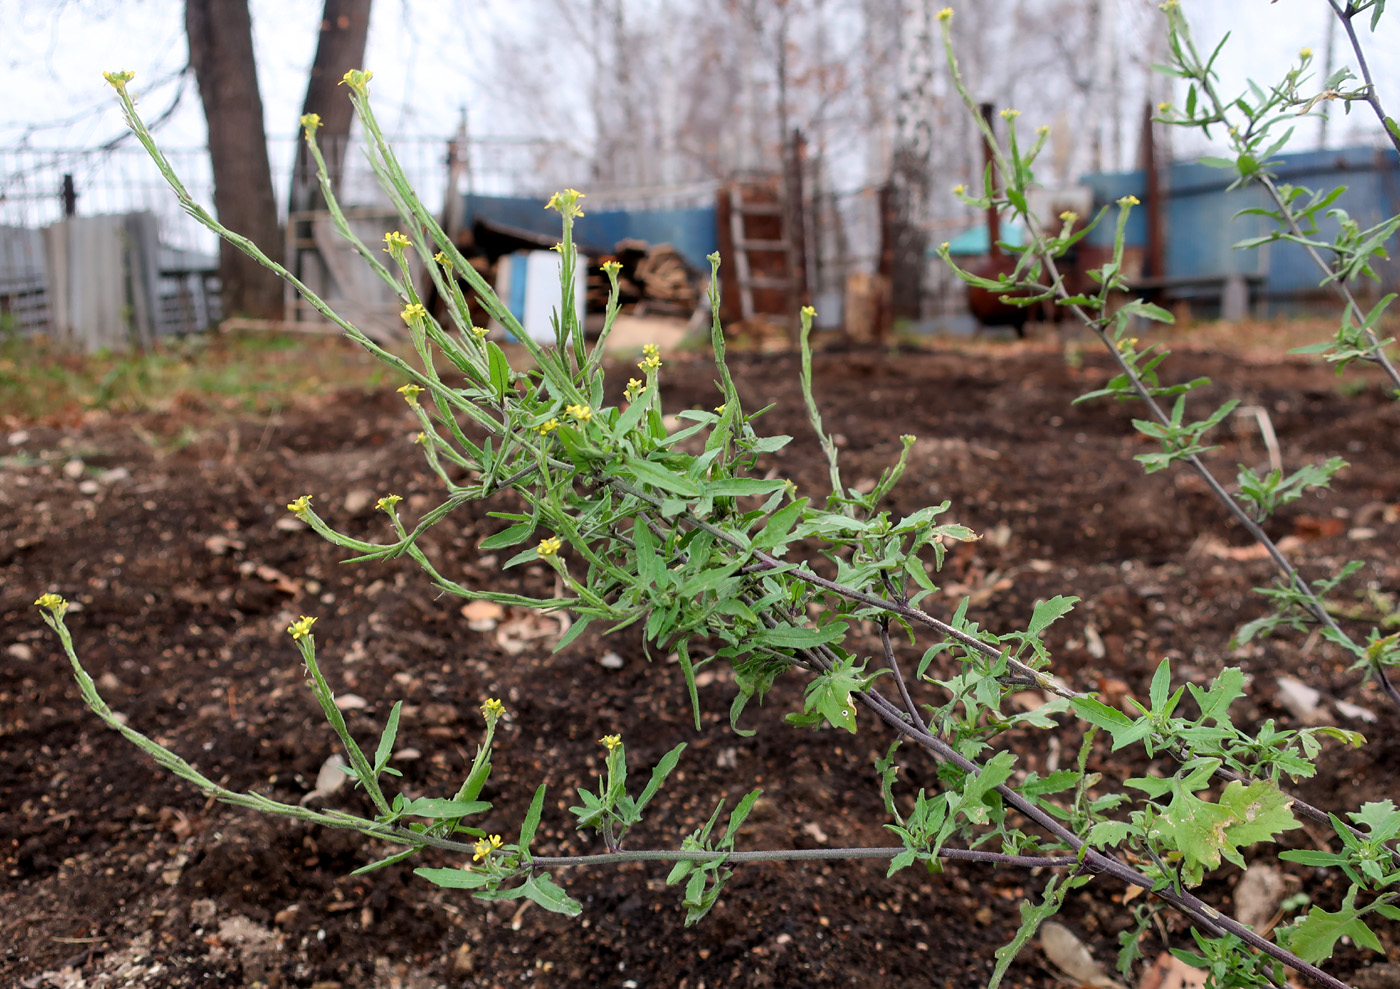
1072 956
1258 895
482 616
1170 972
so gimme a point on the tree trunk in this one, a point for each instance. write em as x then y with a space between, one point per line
344 32
221 51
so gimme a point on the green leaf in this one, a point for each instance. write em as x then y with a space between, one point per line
548 894
1316 937
1048 612
386 740
786 636
532 819
659 477
1032 916
453 878
499 369
388 860
779 524
737 486
658 775
1380 819
513 536
438 808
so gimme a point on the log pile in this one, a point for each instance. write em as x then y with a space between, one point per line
655 278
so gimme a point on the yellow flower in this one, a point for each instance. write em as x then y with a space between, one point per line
610 742
959 189
545 428
1043 129
1163 107
549 547
1127 343
492 709
633 389
1069 216
410 393
395 242
311 121
810 312
945 15
1305 53
944 246
442 259
611 267
387 503
720 408
485 847
421 438
480 332
358 80
558 248
414 311
581 413
1129 201
566 203
119 80
650 363
301 506
53 602
301 628
1009 114
650 350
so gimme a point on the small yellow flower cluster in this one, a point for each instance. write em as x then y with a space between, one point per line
545 428
944 246
387 503
410 393
610 742
53 602
119 79
492 709
396 243
633 389
651 358
1129 201
549 547
611 267
1305 53
301 506
301 628
1163 107
959 189
485 847
1043 130
1170 5
720 408
558 248
414 311
1069 216
442 259
480 332
1009 114
810 312
1127 343
566 203
945 15
421 438
311 121
358 80
581 413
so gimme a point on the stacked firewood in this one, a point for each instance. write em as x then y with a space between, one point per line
655 278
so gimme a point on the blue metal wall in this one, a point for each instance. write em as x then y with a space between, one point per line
691 230
1203 225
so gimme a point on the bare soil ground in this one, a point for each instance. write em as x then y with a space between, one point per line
170 533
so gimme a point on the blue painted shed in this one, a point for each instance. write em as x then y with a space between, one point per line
1203 225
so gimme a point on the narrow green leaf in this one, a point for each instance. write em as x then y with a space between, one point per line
532 819
659 477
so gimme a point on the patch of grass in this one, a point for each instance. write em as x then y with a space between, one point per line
243 373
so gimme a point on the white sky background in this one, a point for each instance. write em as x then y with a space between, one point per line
429 58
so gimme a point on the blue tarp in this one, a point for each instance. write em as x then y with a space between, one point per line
690 230
975 241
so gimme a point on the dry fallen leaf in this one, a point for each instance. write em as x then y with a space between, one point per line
1071 956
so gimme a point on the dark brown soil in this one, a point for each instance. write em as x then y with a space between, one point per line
116 875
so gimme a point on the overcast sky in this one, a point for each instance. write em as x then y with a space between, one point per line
428 61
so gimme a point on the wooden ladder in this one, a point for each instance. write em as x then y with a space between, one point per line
743 245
